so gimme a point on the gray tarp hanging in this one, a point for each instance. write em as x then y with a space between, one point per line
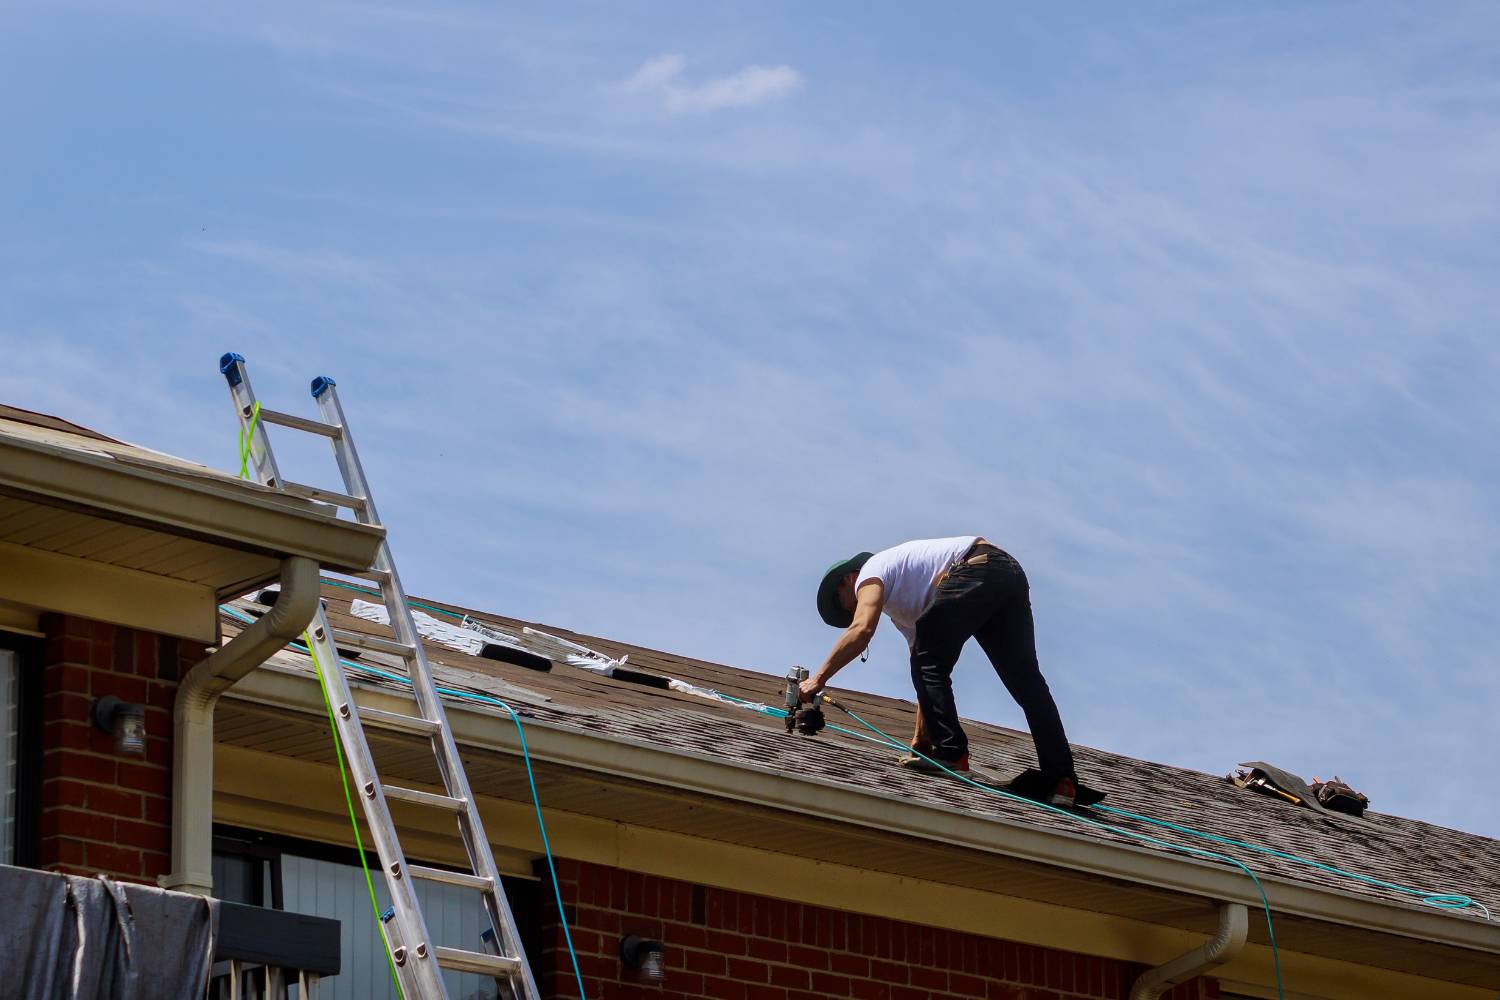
64 937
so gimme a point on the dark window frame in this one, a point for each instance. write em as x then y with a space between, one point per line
28 650
525 895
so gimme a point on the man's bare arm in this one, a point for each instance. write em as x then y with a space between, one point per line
869 601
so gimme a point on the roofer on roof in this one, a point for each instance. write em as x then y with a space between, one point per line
939 592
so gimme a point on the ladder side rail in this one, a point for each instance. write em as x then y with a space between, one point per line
420 967
450 765
267 473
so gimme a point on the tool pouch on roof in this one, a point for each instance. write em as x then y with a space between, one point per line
1339 797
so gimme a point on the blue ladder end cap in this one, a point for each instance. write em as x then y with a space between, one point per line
228 367
321 384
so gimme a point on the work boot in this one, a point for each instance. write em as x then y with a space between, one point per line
1065 793
926 765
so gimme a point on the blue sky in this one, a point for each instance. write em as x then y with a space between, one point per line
645 316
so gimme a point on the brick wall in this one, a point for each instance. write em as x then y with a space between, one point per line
102 812
738 946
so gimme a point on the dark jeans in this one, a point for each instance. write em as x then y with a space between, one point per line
990 601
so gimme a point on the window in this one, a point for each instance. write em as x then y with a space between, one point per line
20 747
10 752
306 877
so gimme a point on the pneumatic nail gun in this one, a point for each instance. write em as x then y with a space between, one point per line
805 718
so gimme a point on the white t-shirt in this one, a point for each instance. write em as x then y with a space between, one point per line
909 573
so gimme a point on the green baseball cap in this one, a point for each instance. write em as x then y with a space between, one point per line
829 608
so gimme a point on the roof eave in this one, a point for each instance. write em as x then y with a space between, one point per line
237 515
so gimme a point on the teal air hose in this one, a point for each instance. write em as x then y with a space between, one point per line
525 756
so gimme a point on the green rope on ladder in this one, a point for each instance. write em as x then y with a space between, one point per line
353 822
246 437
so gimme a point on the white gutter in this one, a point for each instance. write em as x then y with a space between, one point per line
1234 924
193 721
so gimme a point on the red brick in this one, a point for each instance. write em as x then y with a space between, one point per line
888 972
76 650
599 965
807 958
145 777
930 979
764 993
158 809
869 989
726 943
706 962
122 686
82 766
78 823
147 836
1054 972
161 695
68 735
714 908
723 989
65 705
688 935
65 678
155 864
158 751
64 792
112 860
683 984
749 970
145 654
969 986
744 913
789 976
771 951
850 965
830 985
62 850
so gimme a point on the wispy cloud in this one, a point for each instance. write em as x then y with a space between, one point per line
661 77
320 265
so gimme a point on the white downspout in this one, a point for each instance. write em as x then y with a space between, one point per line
1234 924
193 721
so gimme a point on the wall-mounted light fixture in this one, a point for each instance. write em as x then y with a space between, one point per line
640 953
125 720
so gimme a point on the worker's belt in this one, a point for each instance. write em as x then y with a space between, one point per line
979 553
976 555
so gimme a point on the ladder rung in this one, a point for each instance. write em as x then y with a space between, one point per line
400 722
420 798
374 643
478 962
297 423
379 576
451 878
326 496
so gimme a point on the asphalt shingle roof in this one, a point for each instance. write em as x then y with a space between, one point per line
1408 852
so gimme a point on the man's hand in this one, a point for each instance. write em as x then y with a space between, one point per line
809 689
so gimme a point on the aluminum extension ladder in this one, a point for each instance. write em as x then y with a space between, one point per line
418 962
